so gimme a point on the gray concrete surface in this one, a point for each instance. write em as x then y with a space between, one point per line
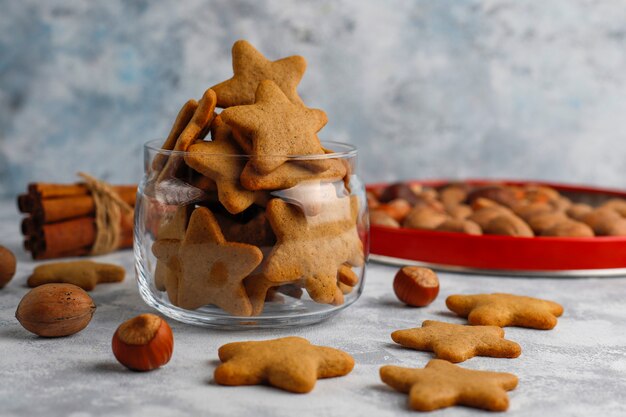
577 369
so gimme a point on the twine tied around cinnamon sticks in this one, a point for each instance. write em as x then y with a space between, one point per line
109 210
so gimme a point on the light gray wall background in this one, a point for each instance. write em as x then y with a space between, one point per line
430 88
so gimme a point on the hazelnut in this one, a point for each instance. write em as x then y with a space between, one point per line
143 343
54 310
7 266
416 286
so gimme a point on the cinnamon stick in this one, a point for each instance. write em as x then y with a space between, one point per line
55 209
72 238
25 203
47 190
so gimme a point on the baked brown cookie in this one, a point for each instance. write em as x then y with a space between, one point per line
212 269
441 384
250 68
182 120
289 363
506 310
259 288
456 342
313 248
291 174
170 233
85 274
196 129
276 127
218 161
255 231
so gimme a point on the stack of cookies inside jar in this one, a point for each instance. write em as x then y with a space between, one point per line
253 208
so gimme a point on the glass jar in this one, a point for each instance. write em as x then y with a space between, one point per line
219 244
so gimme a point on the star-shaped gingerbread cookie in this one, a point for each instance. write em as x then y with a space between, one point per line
219 161
441 384
276 127
506 310
291 174
313 248
289 363
250 68
212 268
456 342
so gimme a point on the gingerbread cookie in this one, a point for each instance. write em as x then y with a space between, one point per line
259 289
182 120
217 160
289 363
456 342
441 384
85 274
250 68
506 310
313 248
289 175
276 127
255 231
196 129
212 268
170 233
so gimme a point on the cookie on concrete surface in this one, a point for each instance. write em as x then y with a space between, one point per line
442 384
506 310
457 342
290 363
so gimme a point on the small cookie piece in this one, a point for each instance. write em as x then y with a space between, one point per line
277 127
212 269
506 310
250 67
218 161
441 384
85 274
313 248
289 363
457 342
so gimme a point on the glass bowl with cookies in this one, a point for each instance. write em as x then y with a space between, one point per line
219 244
245 218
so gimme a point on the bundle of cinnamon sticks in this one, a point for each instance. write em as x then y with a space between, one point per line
61 219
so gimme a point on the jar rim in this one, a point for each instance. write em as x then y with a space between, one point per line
348 151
